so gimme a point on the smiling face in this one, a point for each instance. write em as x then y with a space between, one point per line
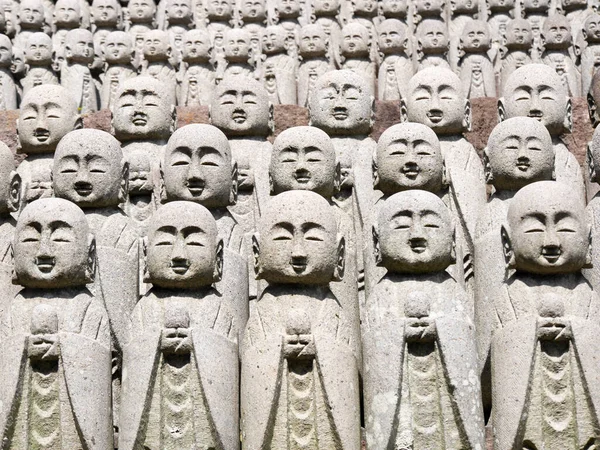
409 157
48 112
197 166
536 91
38 51
52 245
432 36
237 45
240 107
520 152
341 103
313 41
548 230
475 36
143 110
196 46
141 10
298 242
273 40
355 40
391 36
591 28
88 169
118 48
156 45
303 159
179 11
67 13
436 99
519 34
253 10
182 246
557 32
415 233
79 46
105 12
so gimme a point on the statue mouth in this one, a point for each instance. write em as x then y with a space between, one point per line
41 135
302 176
179 266
340 114
83 188
418 245
435 115
140 121
523 164
196 187
45 264
299 264
551 253
411 171
239 116
538 115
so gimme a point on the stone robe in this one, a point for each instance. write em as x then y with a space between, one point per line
394 73
563 61
112 79
77 79
197 84
477 75
309 71
8 90
37 76
279 78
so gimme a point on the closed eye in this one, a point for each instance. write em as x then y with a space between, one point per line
31 239
282 238
181 163
161 243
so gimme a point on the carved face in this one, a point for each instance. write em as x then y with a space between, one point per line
476 35
253 9
18 61
196 45
313 41
88 169
436 99
519 33
394 8
557 30
5 51
428 7
536 5
594 156
591 28
273 40
432 35
237 45
326 6
31 14
118 47
39 49
105 12
179 10
79 46
463 6
142 110
355 40
364 6
156 45
52 245
219 9
182 246
67 12
197 166
409 157
536 91
303 159
141 10
415 233
47 114
288 8
298 241
548 230
341 103
392 34
520 152
240 106
140 179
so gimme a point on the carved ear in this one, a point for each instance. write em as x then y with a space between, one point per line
90 269
162 191
406 44
445 176
173 125
588 256
271 186
218 273
375 172
14 193
338 273
568 122
145 271
124 190
256 256
589 156
271 118
487 169
509 256
376 247
403 111
453 251
592 109
501 110
233 196
467 118
372 118
337 179
78 125
13 273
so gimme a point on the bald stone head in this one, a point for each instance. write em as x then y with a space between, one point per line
557 32
105 13
397 9
219 10
287 9
548 231
303 158
273 40
313 41
519 34
432 36
31 14
537 91
253 10
157 46
197 167
414 234
10 182
355 40
141 11
298 241
144 110
183 249
475 37
89 169
237 45
409 157
118 48
519 152
47 113
179 11
536 6
38 50
591 28
196 46
240 107
341 103
79 46
6 51
391 36
67 14
53 247
436 98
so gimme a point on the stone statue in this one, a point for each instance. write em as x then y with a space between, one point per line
299 373
106 15
67 16
476 67
537 91
47 113
435 9
593 99
544 372
420 384
56 338
253 17
197 73
436 99
535 13
559 53
287 16
238 54
143 119
179 19
219 14
140 20
394 9
432 44
355 50
365 12
75 74
278 71
500 12
576 11
8 88
519 152
314 60
118 55
38 60
180 380
157 52
197 167
30 20
327 14
590 56
461 13
11 8
517 50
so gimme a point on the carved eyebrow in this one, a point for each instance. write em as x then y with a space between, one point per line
129 92
55 224
186 231
311 226
229 92
285 225
51 105
403 213
167 229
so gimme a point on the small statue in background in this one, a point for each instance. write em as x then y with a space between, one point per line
535 13
140 20
590 56
157 54
106 16
197 72
38 60
396 67
355 50
327 14
30 20
219 14
517 50
476 67
178 20
118 55
432 9
8 87
593 100
500 12
461 13
394 9
67 16
287 16
238 54
253 17
432 44
314 60
278 70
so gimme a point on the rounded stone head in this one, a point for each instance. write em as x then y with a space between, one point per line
253 10
31 14
298 242
38 51
179 11
118 48
430 7
394 8
500 5
183 248
557 32
47 113
475 36
409 157
240 107
273 40
355 40
313 41
432 36
6 51
537 91
141 11
89 169
237 45
591 28
53 247
287 9
303 158
519 152
531 6
436 98
79 46
326 7
105 13
341 103
548 231
196 46
414 234
10 182
157 46
67 13
197 167
219 9
143 111
464 6
391 36
519 34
